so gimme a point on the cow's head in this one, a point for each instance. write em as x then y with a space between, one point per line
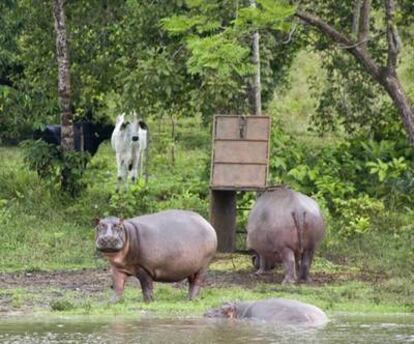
131 127
135 128
110 234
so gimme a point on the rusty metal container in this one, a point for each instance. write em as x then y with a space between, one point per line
240 154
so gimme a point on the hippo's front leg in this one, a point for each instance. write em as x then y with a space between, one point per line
118 279
146 284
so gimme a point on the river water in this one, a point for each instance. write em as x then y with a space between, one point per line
342 328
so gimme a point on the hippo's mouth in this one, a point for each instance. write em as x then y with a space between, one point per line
108 249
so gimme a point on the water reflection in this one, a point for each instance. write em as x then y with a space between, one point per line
343 328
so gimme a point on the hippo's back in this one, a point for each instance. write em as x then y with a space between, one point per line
286 312
276 215
174 243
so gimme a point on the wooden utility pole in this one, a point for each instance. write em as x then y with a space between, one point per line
62 54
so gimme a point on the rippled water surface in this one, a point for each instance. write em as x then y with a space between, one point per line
343 328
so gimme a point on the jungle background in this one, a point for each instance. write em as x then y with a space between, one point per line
336 135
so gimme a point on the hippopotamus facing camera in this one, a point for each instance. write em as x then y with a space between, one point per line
278 311
168 246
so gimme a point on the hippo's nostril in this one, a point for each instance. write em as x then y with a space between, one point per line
135 138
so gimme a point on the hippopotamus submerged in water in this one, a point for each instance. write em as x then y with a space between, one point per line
279 311
168 246
285 226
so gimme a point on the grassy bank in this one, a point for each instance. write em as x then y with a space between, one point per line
335 288
43 231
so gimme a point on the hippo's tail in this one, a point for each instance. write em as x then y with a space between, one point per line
299 218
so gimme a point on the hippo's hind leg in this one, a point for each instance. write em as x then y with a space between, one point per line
289 265
146 284
195 282
305 265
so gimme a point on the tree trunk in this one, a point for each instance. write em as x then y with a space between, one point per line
256 88
393 87
66 117
385 75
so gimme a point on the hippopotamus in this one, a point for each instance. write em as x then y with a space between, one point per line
279 311
168 246
286 227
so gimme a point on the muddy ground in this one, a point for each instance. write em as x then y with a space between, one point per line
47 286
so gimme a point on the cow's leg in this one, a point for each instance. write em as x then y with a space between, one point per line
118 282
142 162
288 258
134 168
146 284
195 283
122 172
307 258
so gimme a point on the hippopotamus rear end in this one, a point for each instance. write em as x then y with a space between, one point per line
285 226
278 311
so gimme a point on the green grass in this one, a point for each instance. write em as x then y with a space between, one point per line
170 301
41 229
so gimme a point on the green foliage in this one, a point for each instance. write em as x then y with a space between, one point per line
41 157
136 200
266 13
65 170
351 99
355 180
62 305
71 170
217 38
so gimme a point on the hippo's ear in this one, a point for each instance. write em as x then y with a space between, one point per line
229 311
95 221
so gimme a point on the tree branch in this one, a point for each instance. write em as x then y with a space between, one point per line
355 17
393 39
355 49
363 30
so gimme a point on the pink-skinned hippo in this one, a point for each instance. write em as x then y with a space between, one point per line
277 311
286 227
168 246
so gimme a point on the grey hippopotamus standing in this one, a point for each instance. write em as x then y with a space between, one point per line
279 311
168 246
285 226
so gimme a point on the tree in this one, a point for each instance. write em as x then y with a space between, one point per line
216 39
383 69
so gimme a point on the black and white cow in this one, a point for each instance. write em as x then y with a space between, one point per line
129 140
88 135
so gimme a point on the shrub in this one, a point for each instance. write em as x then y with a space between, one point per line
355 181
66 170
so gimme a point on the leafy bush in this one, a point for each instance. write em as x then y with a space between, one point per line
355 181
65 170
